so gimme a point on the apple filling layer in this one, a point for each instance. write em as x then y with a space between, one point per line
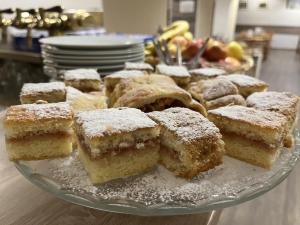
121 149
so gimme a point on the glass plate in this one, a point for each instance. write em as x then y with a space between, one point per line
158 192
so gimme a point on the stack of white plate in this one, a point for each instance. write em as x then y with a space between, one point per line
105 53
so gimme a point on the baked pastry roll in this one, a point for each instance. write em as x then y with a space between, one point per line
178 73
116 143
250 134
80 101
205 73
282 102
112 80
145 67
38 131
49 92
190 143
152 93
83 79
224 101
212 93
246 84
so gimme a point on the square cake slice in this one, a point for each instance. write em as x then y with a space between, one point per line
246 84
116 143
86 80
205 73
252 135
225 101
207 90
49 92
179 74
139 66
282 102
190 143
38 131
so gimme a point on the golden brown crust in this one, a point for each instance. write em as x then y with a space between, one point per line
224 101
283 102
206 90
142 91
205 73
246 84
266 126
50 92
37 113
178 73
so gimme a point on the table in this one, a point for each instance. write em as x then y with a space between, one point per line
24 204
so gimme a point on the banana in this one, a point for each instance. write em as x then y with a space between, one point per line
176 28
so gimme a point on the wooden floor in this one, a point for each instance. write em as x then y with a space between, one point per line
21 203
281 206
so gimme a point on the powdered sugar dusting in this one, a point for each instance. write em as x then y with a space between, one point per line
244 80
188 125
36 88
114 120
36 112
82 74
272 100
209 72
126 74
251 116
138 66
176 71
159 188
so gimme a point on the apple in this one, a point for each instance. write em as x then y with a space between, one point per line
193 48
215 53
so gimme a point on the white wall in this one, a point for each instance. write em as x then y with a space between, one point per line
224 20
275 15
67 4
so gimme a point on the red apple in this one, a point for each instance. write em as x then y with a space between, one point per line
193 48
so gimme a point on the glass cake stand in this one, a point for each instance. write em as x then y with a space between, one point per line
158 192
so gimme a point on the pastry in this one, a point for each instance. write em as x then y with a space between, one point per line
178 73
145 67
113 79
83 79
205 91
85 101
250 134
152 93
49 92
246 84
205 73
116 143
224 101
282 102
38 131
190 143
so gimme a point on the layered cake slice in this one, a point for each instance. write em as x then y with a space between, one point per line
190 143
116 143
246 84
145 67
38 131
86 80
205 73
249 134
282 102
179 74
49 92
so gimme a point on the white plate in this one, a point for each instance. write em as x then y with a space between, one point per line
93 62
100 67
87 42
90 57
92 52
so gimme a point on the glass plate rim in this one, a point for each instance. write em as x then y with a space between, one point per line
143 210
